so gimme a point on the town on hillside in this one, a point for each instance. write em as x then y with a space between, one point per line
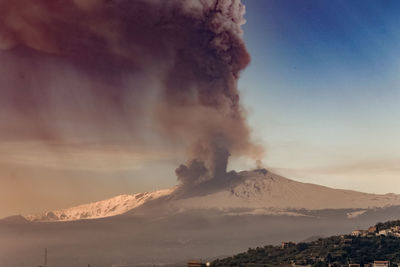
374 230
377 246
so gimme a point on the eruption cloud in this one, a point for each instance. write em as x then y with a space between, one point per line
112 64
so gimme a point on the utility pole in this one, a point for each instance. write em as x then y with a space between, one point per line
45 257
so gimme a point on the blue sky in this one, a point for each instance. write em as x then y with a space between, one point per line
323 91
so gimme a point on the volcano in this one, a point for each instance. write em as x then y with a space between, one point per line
250 192
170 226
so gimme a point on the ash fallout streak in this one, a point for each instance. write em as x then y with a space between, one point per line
104 67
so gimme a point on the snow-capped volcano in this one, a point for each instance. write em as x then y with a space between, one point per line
253 192
217 217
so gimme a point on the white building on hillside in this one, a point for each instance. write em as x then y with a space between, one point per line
384 232
381 264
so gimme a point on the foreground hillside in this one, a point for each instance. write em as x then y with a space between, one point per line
335 250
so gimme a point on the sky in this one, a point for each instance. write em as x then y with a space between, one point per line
323 91
321 95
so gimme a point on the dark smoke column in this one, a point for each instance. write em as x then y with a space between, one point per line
192 48
202 90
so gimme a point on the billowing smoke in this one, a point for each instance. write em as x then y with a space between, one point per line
123 61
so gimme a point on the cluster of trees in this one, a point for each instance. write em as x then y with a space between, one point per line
387 225
335 250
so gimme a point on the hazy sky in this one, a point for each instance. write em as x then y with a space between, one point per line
322 94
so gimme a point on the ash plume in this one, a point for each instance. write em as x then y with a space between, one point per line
121 62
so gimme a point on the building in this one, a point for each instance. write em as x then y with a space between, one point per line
372 229
395 228
358 232
384 232
197 264
381 264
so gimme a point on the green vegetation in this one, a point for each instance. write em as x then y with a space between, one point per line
335 250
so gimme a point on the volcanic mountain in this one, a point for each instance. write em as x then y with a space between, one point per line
249 192
218 217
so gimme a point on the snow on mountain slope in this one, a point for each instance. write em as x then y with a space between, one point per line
271 193
105 208
258 192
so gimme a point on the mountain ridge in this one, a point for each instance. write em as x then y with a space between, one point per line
101 209
257 192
